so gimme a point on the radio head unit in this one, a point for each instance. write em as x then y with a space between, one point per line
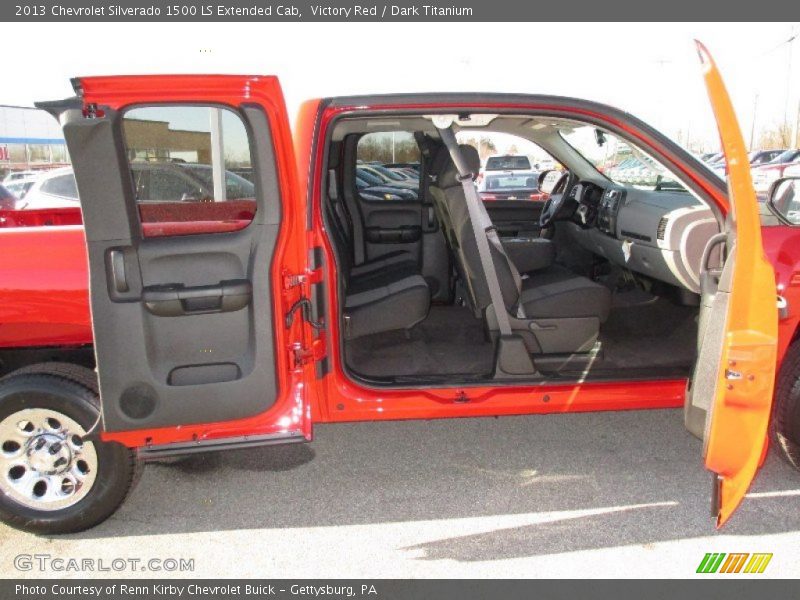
610 204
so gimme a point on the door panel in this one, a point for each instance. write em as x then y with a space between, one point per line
392 226
183 324
396 214
735 371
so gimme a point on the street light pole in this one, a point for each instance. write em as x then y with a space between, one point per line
795 132
753 126
793 128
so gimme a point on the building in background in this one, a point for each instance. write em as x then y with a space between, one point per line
30 139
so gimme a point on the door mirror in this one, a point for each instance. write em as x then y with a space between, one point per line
784 199
548 180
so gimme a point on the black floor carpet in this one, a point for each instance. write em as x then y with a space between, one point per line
645 337
450 341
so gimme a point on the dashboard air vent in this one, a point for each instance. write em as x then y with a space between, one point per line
662 228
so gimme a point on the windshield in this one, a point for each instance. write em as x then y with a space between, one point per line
617 160
787 156
507 163
19 188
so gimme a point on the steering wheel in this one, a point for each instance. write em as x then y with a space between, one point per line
555 202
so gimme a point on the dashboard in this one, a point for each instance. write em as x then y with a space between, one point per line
658 233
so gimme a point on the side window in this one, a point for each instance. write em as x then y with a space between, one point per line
189 166
510 166
388 167
63 185
162 184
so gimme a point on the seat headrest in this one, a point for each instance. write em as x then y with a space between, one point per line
445 169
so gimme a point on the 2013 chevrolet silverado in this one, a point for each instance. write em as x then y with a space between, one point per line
241 288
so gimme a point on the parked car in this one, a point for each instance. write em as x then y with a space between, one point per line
407 174
387 177
765 175
152 180
792 170
380 183
237 338
505 162
17 175
20 187
8 200
756 158
760 157
51 189
714 158
515 185
408 166
508 162
376 192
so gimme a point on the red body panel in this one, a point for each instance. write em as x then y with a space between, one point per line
782 247
44 295
44 302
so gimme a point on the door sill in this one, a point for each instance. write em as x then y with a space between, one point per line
156 452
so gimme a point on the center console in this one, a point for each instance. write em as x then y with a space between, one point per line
608 209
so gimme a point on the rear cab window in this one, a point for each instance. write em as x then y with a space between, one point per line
191 169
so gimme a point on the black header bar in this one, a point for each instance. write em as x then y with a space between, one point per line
397 11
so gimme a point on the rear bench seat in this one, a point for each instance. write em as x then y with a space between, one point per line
382 294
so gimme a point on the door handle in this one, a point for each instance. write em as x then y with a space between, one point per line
394 235
176 300
429 221
116 266
716 240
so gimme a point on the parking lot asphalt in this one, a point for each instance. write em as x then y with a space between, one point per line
618 494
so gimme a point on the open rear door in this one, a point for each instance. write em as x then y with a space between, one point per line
184 182
732 384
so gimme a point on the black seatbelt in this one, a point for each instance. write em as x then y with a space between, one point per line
481 230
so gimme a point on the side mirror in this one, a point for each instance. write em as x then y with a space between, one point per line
548 180
784 199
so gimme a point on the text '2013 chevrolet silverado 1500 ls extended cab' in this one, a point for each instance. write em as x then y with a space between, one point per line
244 284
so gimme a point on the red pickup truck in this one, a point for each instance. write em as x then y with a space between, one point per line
244 285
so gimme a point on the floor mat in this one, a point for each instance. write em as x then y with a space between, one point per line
450 341
650 334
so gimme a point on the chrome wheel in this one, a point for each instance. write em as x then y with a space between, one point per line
44 462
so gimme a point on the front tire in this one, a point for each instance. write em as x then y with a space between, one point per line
785 424
52 480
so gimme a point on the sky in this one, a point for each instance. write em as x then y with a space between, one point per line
650 70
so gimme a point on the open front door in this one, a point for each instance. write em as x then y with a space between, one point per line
183 182
732 384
